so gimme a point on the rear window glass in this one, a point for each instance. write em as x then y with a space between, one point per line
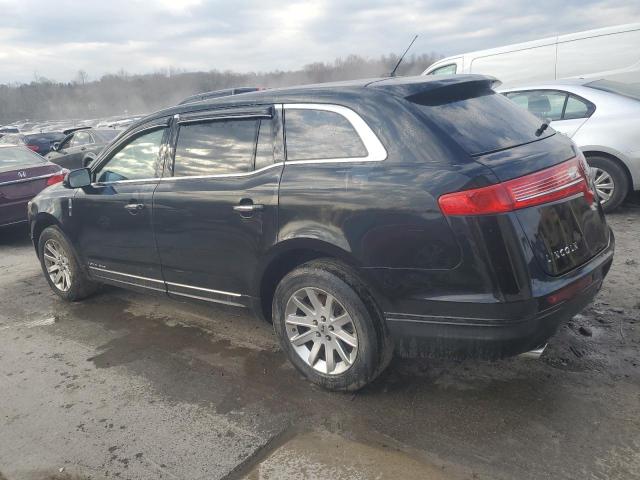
18 156
320 134
479 119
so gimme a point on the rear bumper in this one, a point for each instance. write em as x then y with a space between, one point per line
510 329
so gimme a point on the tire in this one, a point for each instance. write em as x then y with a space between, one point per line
358 343
74 284
610 179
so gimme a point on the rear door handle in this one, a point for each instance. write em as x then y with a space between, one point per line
134 208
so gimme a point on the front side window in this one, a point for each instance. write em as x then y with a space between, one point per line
137 160
215 148
446 70
320 134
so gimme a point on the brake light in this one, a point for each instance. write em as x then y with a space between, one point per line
35 148
560 181
52 180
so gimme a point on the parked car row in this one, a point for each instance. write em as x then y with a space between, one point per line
81 146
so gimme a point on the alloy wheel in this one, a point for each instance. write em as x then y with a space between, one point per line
321 331
56 262
605 186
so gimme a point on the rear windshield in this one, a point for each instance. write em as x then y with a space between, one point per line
479 119
18 156
109 135
625 89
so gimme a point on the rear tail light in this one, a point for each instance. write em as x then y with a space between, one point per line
35 148
560 181
57 178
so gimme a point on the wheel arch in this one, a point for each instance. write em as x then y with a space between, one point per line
42 221
286 256
594 152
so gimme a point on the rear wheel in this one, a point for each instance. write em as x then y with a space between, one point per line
329 326
61 267
610 181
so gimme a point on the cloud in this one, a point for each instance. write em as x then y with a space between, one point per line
56 39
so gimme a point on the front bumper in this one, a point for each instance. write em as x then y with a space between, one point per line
516 327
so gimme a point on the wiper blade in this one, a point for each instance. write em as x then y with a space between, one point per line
543 127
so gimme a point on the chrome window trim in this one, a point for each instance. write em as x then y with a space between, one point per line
23 180
375 150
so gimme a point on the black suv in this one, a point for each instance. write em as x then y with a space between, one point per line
430 215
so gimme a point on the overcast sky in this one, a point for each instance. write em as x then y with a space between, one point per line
56 38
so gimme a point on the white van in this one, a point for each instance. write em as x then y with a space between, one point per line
612 52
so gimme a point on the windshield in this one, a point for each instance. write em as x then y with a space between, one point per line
18 157
626 89
479 119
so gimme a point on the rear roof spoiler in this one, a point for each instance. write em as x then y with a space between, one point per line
410 86
74 129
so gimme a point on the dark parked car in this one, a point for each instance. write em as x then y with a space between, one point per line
40 143
432 215
199 97
23 174
81 147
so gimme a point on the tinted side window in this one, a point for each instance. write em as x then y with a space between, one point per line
576 108
137 160
320 134
213 148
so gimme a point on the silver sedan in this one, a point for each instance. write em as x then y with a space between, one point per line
603 118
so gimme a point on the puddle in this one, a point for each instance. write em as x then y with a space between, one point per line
328 456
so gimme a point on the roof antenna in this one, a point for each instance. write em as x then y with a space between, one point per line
393 72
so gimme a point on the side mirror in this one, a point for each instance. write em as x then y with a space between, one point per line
88 160
78 178
55 146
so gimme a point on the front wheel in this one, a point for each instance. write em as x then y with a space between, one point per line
329 326
61 267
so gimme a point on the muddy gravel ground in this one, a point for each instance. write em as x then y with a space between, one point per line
130 386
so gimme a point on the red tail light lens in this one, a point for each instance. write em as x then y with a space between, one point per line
35 148
56 178
560 181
